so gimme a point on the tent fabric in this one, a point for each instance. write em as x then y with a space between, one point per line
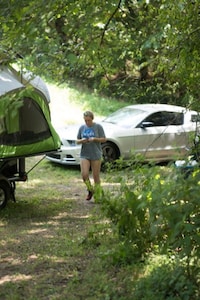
11 80
8 81
20 130
25 124
37 83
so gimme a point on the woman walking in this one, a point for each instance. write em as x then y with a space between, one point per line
90 136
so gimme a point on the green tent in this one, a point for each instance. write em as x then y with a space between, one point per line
25 124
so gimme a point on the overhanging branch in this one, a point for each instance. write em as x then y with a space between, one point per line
109 20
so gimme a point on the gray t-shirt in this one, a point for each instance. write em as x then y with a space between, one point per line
91 150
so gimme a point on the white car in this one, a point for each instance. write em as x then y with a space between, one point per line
159 132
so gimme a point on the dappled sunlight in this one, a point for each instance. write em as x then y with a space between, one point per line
8 241
37 231
34 270
110 183
2 224
14 278
34 181
30 183
73 215
32 257
11 261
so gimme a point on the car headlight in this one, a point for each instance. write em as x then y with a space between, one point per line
72 143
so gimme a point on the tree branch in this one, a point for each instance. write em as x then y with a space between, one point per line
109 20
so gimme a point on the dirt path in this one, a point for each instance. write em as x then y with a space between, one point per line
42 248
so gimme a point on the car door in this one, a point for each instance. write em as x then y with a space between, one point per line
160 136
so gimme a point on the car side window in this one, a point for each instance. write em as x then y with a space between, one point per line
165 118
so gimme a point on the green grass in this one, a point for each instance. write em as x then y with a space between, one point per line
54 245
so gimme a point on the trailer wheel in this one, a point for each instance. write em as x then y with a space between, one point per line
4 193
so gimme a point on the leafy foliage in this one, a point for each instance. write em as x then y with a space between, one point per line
145 51
156 210
167 280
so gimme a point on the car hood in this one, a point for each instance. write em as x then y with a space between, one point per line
68 132
112 129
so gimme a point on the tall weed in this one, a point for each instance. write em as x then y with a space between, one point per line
155 209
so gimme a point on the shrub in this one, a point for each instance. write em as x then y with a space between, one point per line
156 209
167 281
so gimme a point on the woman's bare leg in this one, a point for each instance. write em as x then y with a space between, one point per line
96 167
85 170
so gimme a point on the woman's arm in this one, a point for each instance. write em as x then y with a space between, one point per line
82 141
97 139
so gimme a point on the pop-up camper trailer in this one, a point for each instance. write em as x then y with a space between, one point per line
25 126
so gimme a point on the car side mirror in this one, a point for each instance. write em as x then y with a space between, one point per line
146 124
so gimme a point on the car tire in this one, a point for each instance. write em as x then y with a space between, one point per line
4 193
110 152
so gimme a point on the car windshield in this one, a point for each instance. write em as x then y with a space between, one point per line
125 117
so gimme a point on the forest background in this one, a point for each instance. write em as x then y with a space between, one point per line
135 51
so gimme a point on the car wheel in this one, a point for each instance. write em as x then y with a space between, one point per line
4 194
110 152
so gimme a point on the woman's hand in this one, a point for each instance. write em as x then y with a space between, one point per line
84 141
91 139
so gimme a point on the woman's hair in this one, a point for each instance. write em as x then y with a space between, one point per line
88 114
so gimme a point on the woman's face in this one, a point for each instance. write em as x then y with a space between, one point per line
88 121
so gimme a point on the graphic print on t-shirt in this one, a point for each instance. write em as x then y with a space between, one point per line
88 133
